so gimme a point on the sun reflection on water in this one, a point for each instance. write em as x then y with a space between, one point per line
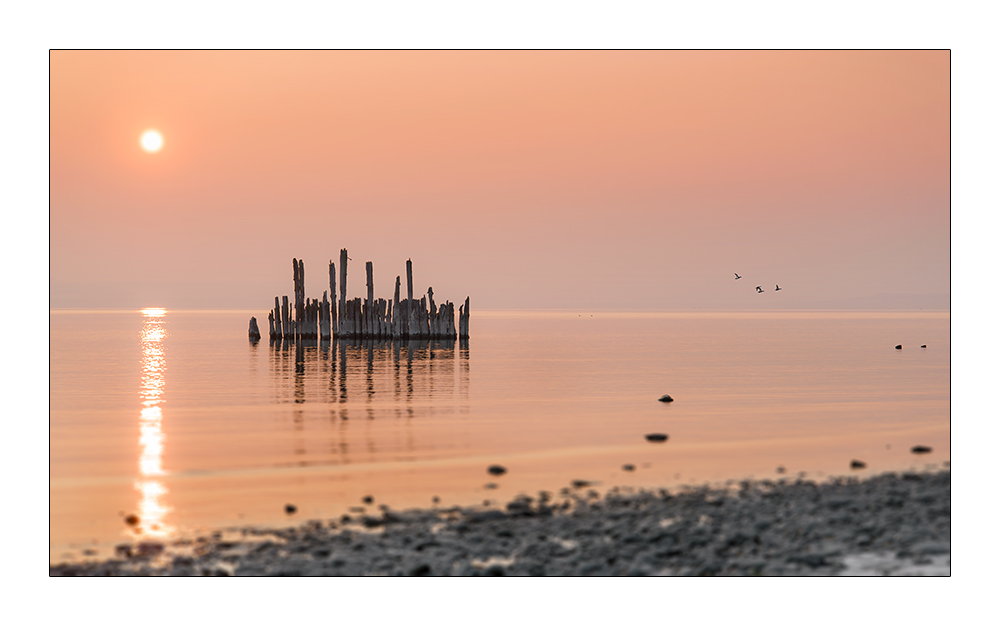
152 510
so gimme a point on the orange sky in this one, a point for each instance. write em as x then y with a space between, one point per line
521 179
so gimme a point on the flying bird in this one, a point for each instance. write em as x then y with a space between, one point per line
759 290
737 276
777 288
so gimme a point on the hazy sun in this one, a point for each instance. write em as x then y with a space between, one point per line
151 141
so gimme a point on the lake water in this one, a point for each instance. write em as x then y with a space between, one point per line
174 417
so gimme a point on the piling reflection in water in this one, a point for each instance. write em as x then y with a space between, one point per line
379 387
375 372
152 509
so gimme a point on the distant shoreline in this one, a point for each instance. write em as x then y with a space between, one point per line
894 523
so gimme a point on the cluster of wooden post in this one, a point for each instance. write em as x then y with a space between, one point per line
370 318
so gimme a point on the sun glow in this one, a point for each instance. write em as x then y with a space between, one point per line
151 141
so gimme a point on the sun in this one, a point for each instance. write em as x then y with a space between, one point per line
151 141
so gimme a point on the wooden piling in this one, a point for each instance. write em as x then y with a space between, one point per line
286 322
409 279
431 313
463 321
343 289
333 300
254 332
370 318
277 334
396 327
324 319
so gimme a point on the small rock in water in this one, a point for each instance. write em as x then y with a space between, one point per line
666 398
920 449
290 509
123 550
899 347
490 486
856 464
435 500
497 470
656 437
131 519
924 345
367 499
628 467
780 470
149 548
578 484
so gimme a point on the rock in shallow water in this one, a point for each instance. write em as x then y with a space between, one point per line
290 509
856 464
657 437
666 398
497 470
920 449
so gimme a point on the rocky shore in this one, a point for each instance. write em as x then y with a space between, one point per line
892 524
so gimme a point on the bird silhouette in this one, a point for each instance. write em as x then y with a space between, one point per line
777 288
737 276
759 290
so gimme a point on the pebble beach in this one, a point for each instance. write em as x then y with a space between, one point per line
889 524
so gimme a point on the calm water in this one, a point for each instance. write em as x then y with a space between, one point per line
175 417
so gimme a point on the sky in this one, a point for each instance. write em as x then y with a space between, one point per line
521 179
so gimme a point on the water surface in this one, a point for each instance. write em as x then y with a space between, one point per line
174 417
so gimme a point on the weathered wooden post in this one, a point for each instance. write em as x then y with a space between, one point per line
390 321
254 331
396 327
463 320
277 320
343 290
431 313
324 319
302 294
296 303
312 318
449 320
368 322
409 279
425 329
333 300
286 322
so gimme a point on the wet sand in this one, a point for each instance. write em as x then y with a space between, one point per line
891 524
